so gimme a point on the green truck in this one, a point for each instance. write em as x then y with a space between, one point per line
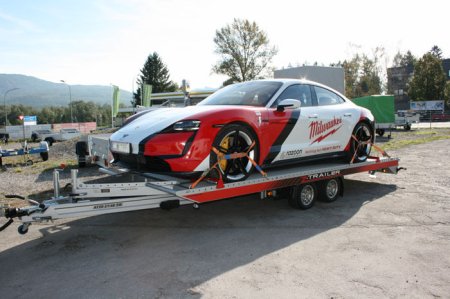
382 108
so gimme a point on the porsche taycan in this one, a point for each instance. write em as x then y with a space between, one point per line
277 122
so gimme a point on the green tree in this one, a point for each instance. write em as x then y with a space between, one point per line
362 76
244 49
351 75
404 60
447 93
428 82
84 111
408 59
155 73
436 51
369 81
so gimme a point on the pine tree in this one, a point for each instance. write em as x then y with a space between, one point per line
155 73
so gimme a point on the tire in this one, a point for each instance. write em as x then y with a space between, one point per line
44 156
49 141
380 132
407 127
81 151
303 196
359 152
22 229
235 138
81 148
329 190
34 138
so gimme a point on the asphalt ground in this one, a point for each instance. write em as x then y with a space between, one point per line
388 237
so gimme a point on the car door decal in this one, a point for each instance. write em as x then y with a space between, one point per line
276 146
319 130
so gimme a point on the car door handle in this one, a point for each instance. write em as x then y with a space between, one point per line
312 116
347 114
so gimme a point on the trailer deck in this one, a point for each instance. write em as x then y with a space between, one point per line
130 191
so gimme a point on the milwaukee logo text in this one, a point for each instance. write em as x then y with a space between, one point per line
323 129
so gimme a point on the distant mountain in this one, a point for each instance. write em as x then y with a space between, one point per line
39 93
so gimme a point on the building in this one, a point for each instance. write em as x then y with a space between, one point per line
398 79
330 76
446 67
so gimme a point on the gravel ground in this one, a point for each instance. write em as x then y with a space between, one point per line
36 181
388 237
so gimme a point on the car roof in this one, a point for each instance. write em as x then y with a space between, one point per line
288 81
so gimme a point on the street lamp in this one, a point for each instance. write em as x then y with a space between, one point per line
4 102
70 100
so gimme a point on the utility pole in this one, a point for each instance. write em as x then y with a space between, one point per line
70 100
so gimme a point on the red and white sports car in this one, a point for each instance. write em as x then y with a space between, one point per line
287 120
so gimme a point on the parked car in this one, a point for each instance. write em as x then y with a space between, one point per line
37 135
51 137
277 122
4 137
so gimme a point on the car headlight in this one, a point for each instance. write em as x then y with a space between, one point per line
187 125
120 147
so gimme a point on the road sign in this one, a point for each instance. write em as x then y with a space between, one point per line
30 120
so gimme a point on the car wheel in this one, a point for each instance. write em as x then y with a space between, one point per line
235 139
360 146
49 141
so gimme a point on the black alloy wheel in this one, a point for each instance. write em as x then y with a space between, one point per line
361 147
235 138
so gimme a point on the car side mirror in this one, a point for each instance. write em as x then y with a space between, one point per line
288 104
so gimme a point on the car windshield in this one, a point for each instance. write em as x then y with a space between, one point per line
253 93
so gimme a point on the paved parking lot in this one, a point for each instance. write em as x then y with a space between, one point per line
388 237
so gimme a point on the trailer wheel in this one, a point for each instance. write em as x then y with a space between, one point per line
22 229
329 190
81 151
303 196
407 127
380 132
44 156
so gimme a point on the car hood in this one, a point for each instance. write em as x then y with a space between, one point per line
155 121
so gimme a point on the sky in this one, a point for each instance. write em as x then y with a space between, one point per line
103 42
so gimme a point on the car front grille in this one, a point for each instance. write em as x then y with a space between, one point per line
142 163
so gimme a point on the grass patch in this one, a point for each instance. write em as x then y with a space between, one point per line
426 132
396 144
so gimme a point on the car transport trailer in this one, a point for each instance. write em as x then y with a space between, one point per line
129 191
25 151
